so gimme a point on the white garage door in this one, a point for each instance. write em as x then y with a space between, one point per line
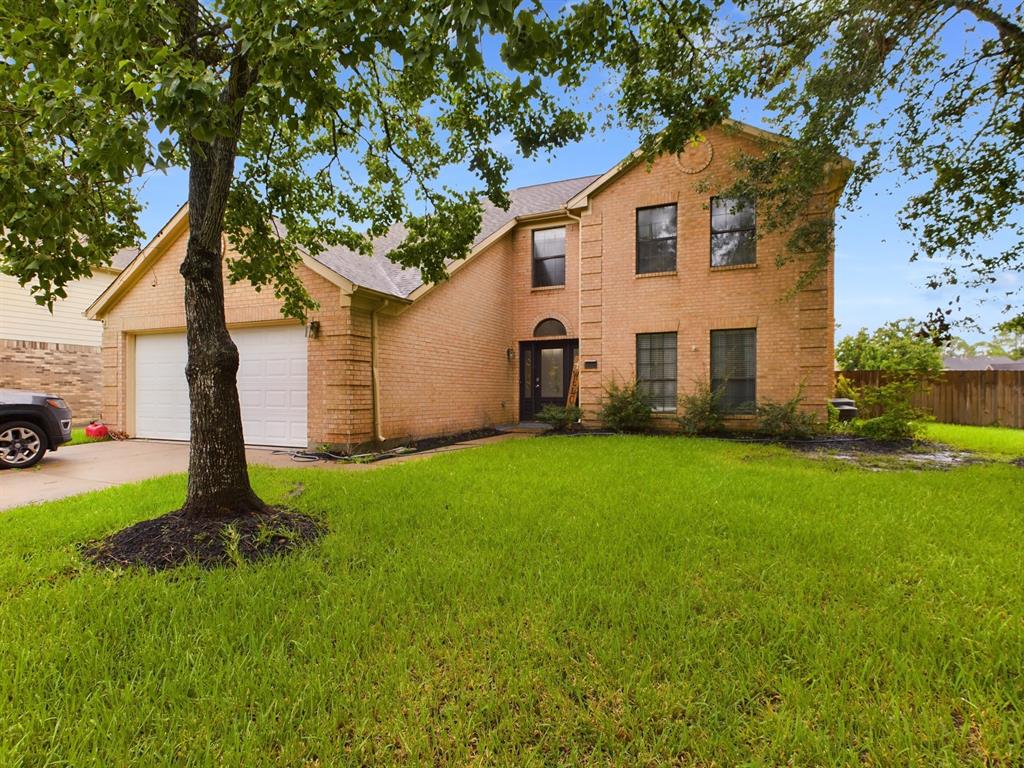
271 385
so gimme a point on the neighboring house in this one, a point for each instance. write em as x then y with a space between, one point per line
638 272
982 363
60 351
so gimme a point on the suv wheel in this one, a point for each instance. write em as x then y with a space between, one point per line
21 444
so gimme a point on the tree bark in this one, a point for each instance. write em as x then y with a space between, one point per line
218 476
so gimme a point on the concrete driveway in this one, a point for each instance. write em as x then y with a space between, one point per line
94 466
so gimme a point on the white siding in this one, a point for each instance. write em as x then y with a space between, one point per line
21 318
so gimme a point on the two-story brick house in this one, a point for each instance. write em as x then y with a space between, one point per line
640 272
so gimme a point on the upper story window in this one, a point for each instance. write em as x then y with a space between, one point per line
656 369
656 239
733 232
548 257
734 369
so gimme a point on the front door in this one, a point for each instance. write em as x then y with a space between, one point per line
545 372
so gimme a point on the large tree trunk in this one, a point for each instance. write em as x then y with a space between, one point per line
218 478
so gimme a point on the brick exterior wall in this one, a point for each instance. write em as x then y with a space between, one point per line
794 337
69 370
442 361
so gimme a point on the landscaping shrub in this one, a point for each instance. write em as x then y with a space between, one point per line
898 419
699 412
786 419
626 408
846 388
560 417
834 426
888 426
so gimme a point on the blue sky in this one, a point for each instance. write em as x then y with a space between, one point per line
875 280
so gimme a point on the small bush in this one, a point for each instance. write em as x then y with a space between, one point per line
560 417
786 419
846 388
898 419
626 408
699 412
835 426
888 426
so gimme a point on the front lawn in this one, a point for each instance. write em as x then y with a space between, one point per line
556 601
996 441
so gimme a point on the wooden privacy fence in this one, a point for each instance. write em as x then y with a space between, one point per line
982 398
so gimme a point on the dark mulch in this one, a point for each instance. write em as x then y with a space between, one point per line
431 443
176 539
815 443
858 444
415 446
1018 462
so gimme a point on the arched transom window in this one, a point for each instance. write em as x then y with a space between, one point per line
549 327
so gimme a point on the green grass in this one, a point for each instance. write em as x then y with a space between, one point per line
997 441
557 601
78 437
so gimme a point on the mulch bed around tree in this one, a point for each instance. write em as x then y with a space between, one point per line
176 539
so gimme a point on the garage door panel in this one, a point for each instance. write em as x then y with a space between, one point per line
271 385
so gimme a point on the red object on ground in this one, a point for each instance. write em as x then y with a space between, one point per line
95 429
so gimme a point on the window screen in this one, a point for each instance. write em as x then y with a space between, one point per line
656 239
734 368
656 368
548 257
733 232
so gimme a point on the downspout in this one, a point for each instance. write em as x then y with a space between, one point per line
579 299
375 374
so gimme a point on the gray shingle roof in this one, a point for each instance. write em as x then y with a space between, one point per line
123 257
982 363
378 273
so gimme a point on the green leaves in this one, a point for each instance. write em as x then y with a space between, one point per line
895 346
931 93
343 121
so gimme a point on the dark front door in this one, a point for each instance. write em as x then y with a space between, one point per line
545 371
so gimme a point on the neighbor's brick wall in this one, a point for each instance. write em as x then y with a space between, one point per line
794 338
443 362
156 302
69 370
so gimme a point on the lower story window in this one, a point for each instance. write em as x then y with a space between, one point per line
656 369
734 369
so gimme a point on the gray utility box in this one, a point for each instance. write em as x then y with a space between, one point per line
846 407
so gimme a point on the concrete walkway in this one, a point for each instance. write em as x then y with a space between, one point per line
94 466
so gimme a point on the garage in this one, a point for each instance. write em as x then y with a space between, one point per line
271 385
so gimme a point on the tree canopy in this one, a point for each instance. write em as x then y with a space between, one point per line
897 346
929 93
342 120
325 120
